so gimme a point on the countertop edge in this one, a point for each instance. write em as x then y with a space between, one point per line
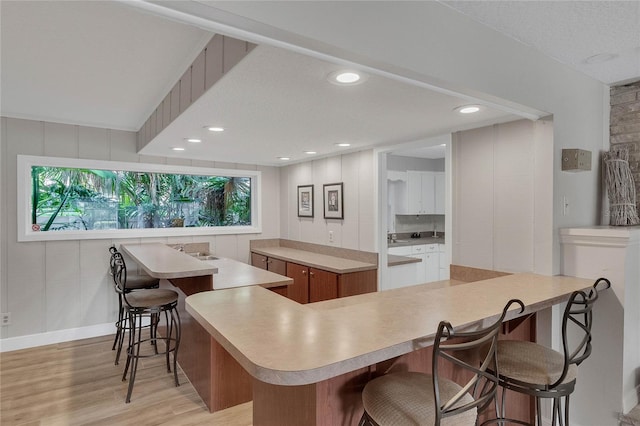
323 372
266 252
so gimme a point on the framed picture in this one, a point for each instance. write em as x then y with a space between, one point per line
333 201
305 201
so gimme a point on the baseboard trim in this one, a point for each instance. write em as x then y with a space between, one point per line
57 336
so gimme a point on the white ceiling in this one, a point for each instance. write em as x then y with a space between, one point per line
105 64
577 33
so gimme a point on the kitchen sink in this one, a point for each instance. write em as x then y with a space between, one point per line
203 256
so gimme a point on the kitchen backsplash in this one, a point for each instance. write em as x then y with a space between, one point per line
419 223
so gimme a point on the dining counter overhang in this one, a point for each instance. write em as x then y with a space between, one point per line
283 343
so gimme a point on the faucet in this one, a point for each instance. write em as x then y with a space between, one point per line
181 247
435 233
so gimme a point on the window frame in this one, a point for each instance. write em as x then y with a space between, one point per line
25 233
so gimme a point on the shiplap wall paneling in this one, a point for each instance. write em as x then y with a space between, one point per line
513 196
185 90
233 52
175 101
166 110
198 76
366 204
213 61
473 229
25 267
57 285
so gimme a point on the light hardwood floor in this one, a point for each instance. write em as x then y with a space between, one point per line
76 383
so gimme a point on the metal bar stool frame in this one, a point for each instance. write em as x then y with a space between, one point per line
167 303
483 385
579 312
122 323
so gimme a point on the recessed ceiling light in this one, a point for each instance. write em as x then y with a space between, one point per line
194 140
345 78
467 109
310 152
177 148
443 144
343 144
284 158
215 129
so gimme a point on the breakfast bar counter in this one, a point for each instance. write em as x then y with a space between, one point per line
219 380
304 360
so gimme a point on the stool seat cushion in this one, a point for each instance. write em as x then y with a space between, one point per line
152 298
135 282
532 363
407 399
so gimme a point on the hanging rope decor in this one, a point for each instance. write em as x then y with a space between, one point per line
620 188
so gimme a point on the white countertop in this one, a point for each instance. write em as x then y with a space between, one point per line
281 342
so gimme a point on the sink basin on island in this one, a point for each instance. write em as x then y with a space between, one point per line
203 256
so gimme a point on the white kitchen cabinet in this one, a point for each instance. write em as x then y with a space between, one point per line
432 269
397 195
439 193
443 263
425 192
402 275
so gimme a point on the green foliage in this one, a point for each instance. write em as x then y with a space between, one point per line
67 198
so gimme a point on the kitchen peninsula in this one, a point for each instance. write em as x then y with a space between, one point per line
216 376
308 362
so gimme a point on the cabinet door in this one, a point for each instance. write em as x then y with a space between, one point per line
428 196
357 283
259 261
414 192
440 193
432 267
421 269
277 266
323 285
299 290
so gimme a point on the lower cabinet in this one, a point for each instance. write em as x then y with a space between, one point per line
323 285
276 266
299 290
313 284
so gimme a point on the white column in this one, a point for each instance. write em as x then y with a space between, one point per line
609 381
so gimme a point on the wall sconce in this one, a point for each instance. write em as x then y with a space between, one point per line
576 160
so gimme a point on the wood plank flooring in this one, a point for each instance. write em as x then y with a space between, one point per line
76 383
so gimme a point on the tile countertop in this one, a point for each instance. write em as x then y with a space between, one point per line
281 342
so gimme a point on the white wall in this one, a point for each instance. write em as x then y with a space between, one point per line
61 285
502 197
433 44
356 231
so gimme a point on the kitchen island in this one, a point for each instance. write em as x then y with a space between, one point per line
308 364
219 380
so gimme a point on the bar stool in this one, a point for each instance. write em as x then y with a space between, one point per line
134 282
150 303
533 369
412 398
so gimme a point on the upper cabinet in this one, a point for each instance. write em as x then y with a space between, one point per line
425 192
